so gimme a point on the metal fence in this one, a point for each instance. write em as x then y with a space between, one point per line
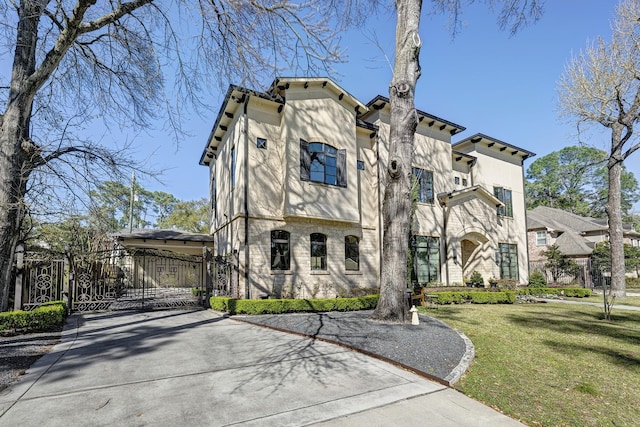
111 280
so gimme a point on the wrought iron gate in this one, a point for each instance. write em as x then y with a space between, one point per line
115 280
44 279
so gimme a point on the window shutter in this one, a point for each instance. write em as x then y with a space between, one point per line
305 161
342 168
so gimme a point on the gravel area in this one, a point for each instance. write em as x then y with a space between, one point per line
430 348
19 352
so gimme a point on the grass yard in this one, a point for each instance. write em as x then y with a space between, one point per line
635 301
552 364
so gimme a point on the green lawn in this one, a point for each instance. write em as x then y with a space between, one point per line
552 364
635 301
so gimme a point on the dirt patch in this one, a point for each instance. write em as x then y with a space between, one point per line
19 352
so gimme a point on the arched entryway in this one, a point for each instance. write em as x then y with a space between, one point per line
471 247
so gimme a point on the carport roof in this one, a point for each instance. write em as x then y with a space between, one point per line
179 235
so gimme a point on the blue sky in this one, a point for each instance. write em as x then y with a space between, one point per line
484 79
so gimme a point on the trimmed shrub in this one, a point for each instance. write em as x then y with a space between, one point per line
48 316
474 297
476 279
569 292
633 282
276 306
505 297
537 280
508 284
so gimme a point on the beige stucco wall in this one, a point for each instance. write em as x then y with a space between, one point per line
279 200
320 119
496 168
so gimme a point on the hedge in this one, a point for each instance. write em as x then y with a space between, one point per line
567 292
276 306
477 297
48 316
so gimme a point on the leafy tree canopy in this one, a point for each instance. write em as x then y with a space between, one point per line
575 179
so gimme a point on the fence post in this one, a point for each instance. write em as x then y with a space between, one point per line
206 265
17 300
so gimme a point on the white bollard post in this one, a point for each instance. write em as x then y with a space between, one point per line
415 320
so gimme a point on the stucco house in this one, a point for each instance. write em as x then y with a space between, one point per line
297 178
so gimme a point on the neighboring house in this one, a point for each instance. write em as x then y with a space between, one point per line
297 185
574 235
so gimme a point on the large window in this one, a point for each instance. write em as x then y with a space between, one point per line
280 255
504 196
424 181
322 163
508 261
426 259
541 238
318 251
233 167
351 253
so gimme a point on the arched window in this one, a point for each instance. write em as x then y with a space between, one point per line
280 254
318 251
351 253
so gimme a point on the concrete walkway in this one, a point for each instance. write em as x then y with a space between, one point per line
198 368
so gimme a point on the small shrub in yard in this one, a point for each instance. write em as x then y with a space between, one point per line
633 282
475 279
48 316
537 280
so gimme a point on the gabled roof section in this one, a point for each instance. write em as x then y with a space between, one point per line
496 144
380 102
562 221
476 190
281 84
573 244
234 98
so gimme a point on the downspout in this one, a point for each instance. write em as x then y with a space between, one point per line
445 240
473 163
247 286
526 226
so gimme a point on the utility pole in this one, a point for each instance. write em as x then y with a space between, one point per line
133 185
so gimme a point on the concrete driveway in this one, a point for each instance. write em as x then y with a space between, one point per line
197 368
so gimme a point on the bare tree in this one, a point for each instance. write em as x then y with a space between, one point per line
601 86
396 209
77 60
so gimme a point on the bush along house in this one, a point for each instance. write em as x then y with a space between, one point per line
297 178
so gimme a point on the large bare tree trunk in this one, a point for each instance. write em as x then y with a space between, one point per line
396 209
16 148
614 212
